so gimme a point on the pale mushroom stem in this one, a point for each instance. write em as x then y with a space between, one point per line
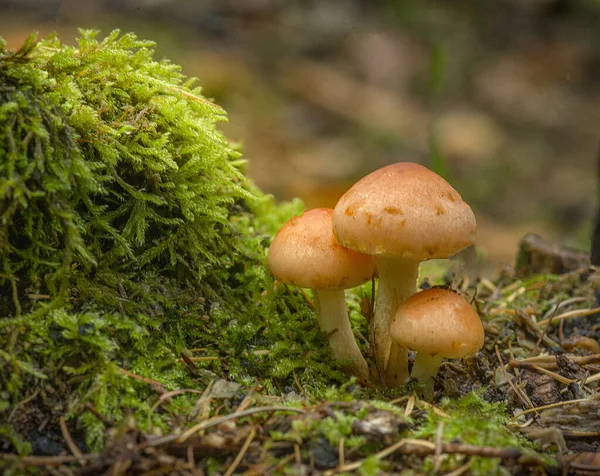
333 320
397 282
425 369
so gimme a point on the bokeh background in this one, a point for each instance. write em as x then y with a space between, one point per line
500 96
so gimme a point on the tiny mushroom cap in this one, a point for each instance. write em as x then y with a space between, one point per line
438 322
404 210
305 253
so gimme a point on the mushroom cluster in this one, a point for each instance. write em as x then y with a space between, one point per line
389 221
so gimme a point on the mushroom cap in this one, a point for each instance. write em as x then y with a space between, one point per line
438 322
404 210
305 253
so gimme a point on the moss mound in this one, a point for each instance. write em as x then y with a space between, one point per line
129 236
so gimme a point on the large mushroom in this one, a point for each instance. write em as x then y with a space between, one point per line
306 254
436 323
402 214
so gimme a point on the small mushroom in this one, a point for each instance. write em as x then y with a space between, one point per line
305 253
436 323
402 214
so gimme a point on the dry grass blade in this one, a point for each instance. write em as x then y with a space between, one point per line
436 410
438 447
69 439
50 461
232 416
570 315
462 469
157 386
242 452
410 405
543 333
593 378
554 375
410 446
518 392
546 407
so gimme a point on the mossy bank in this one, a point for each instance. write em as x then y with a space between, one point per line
128 236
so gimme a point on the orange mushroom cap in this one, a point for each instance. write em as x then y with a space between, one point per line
305 253
404 210
438 321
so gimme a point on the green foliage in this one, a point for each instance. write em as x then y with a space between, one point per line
476 422
129 234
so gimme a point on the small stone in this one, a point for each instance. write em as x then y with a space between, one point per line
224 389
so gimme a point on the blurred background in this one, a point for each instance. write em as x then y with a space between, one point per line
500 97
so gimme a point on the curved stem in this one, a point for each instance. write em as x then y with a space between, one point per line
397 282
333 319
425 369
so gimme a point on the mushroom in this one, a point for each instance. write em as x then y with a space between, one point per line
402 214
305 253
436 323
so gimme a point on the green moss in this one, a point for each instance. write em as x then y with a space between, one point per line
477 422
129 234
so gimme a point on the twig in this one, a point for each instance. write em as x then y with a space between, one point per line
172 393
310 304
341 455
408 446
232 416
45 460
543 333
546 407
69 439
563 303
197 359
438 447
585 467
247 400
297 382
580 434
98 415
436 410
571 315
191 459
297 454
410 405
22 403
593 378
241 454
461 469
517 391
554 375
549 361
159 387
